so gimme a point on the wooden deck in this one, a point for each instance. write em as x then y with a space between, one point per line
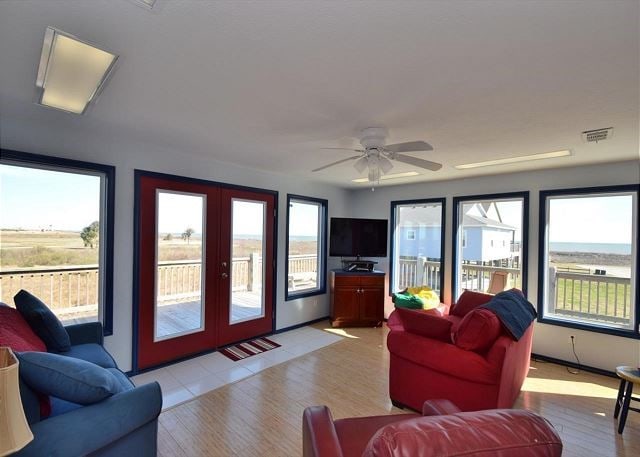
181 317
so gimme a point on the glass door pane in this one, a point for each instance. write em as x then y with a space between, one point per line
180 264
247 253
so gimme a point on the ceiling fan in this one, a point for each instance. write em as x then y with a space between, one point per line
377 156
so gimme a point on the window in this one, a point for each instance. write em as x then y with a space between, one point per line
57 228
306 246
417 261
588 253
490 234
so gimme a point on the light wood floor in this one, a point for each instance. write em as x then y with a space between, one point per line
261 415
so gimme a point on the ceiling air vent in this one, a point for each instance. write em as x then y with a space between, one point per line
593 136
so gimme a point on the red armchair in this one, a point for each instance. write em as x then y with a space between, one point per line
441 430
483 369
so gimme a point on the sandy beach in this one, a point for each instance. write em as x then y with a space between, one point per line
614 264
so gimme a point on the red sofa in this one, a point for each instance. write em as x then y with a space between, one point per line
483 369
442 430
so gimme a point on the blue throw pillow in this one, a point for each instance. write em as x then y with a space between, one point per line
67 378
42 321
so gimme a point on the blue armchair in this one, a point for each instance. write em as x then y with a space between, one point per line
125 424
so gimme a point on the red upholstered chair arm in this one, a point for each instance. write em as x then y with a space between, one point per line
319 437
439 407
394 322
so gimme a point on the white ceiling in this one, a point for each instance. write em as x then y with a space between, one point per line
266 84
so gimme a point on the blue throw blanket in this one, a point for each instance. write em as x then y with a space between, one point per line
514 311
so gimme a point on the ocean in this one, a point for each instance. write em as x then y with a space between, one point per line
600 248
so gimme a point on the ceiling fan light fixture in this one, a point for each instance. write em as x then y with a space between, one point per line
385 165
374 174
361 164
527 158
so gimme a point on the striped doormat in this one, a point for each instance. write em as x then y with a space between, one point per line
253 347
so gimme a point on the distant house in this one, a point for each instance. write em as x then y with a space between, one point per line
485 238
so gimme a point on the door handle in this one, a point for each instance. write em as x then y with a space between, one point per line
224 264
224 275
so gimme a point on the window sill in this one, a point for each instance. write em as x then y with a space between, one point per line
304 294
590 328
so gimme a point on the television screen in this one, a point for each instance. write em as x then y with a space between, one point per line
358 237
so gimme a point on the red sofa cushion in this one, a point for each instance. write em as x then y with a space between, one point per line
16 333
478 330
443 357
468 301
503 432
423 324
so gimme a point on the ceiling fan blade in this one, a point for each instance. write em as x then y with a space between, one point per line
409 146
433 166
361 164
336 163
344 149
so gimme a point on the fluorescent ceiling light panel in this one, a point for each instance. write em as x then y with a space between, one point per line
72 72
488 163
406 174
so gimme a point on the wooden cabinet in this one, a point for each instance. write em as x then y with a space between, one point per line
357 299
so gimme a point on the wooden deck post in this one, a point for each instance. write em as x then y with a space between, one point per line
254 276
551 297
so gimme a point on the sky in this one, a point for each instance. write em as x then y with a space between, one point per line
177 212
303 219
32 198
36 199
590 219
180 211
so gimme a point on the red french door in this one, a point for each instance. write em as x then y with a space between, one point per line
205 267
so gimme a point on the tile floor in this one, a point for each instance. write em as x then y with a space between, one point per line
186 380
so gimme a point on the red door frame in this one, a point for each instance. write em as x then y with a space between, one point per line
217 331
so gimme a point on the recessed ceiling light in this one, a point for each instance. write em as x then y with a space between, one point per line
391 176
72 72
487 163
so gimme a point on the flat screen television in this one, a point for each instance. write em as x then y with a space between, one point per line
357 238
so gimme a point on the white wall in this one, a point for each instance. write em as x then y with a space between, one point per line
594 349
148 156
61 140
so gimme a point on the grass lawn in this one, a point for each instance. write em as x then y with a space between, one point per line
588 296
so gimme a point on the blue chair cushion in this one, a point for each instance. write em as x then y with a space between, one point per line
123 380
91 352
69 379
42 321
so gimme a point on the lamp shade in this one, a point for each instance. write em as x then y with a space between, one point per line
14 430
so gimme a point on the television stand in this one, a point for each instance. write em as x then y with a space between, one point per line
358 265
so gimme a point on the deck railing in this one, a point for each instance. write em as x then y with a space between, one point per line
68 290
74 290
583 295
419 271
